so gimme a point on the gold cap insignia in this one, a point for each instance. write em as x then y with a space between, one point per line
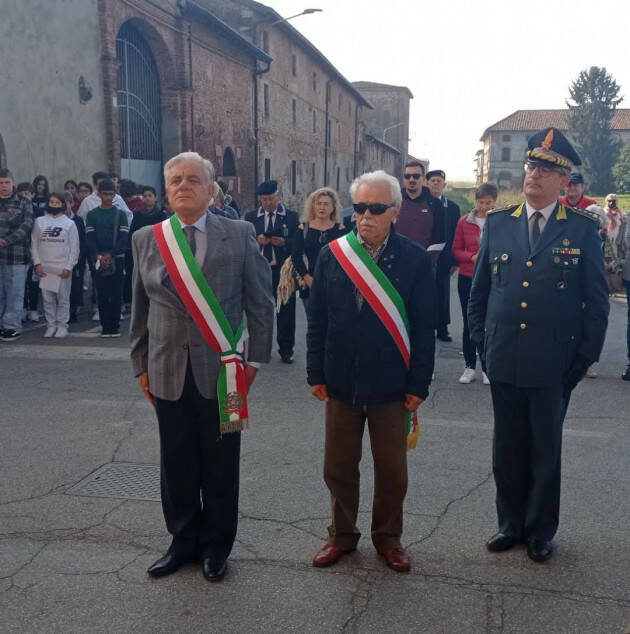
546 144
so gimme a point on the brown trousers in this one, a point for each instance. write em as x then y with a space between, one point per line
387 424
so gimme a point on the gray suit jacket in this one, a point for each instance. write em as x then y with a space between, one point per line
162 333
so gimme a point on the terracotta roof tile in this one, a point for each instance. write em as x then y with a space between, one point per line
525 120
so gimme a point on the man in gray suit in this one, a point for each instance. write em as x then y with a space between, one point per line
178 370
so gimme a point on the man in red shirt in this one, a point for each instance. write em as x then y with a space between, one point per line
574 196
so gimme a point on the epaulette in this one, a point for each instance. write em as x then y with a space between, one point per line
509 208
591 215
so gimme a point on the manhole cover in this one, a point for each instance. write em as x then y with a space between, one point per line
121 480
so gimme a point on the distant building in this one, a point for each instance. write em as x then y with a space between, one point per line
388 121
505 142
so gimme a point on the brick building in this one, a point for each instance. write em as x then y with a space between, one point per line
388 121
141 80
505 142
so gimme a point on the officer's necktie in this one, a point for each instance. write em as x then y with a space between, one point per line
190 238
268 248
534 234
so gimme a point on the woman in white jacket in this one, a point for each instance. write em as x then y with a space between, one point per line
55 252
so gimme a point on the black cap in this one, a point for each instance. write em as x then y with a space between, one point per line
576 177
440 173
551 147
266 188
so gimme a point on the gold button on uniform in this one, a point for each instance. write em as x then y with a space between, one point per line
529 263
523 326
525 284
523 304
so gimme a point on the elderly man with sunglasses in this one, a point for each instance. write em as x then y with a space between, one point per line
539 305
370 348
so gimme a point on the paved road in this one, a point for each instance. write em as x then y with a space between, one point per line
71 562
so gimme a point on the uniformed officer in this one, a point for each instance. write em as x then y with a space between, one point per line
539 304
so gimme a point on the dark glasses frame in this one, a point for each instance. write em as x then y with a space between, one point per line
375 208
415 177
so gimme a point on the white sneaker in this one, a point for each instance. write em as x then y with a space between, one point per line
486 380
50 331
591 373
33 316
61 332
95 316
468 376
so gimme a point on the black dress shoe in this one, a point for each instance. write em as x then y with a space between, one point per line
214 568
169 563
539 550
286 358
444 336
500 542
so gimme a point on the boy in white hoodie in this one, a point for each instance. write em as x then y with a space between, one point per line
55 252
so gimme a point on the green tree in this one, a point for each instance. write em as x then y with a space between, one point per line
621 171
594 97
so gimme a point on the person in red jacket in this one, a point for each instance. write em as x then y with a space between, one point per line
464 250
574 195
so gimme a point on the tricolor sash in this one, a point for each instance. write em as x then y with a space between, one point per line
203 306
384 300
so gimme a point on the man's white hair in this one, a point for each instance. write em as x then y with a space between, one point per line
191 156
379 177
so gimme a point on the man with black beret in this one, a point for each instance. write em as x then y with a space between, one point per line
275 227
446 264
539 304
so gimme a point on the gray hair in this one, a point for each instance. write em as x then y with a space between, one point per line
379 177
195 158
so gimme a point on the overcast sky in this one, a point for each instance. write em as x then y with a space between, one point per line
468 64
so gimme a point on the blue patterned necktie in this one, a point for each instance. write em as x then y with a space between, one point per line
190 238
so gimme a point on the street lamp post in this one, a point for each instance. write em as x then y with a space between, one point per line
391 127
297 15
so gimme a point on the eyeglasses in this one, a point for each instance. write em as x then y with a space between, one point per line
375 208
543 170
414 176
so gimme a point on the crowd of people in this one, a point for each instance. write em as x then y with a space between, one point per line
66 244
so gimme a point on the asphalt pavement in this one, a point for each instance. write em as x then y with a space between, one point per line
80 521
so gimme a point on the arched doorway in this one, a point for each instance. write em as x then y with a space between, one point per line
229 163
139 107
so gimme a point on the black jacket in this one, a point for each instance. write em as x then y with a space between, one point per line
446 259
536 310
285 226
351 351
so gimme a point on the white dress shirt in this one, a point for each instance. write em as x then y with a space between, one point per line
545 211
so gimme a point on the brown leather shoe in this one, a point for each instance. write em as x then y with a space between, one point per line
396 559
327 556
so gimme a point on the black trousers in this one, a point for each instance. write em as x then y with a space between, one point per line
199 473
31 290
443 288
285 319
526 454
109 295
469 347
76 289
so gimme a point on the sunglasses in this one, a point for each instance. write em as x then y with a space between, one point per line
375 208
414 176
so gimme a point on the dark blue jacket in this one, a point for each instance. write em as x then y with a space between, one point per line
535 311
351 351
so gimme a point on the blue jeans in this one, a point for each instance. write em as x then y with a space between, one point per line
12 281
627 285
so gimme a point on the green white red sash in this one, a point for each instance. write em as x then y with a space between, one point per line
383 298
204 308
